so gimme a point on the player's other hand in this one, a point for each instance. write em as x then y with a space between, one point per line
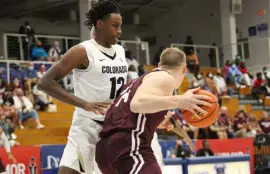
166 123
97 107
190 101
11 157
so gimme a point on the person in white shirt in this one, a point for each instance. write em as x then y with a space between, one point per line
25 109
221 85
41 71
55 51
131 60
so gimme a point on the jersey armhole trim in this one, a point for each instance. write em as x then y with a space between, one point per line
90 63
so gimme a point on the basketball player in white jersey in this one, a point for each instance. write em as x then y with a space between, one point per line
99 70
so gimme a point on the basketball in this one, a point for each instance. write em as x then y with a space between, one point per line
204 120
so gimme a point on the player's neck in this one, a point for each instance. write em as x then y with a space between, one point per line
101 42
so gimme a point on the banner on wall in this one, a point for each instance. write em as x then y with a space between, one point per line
220 168
28 160
231 147
51 156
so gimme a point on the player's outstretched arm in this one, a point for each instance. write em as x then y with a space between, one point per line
74 58
155 95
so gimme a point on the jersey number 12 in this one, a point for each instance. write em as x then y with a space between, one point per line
119 81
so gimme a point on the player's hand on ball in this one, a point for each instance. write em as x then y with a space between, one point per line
191 102
97 107
166 123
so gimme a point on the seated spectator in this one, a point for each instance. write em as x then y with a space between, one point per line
42 100
225 121
132 73
15 84
39 53
265 123
141 70
211 86
258 87
221 85
55 51
226 69
206 150
246 79
216 131
131 60
27 87
238 59
266 74
41 71
25 109
30 73
181 151
253 127
234 75
240 124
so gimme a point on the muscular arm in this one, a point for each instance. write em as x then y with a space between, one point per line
75 57
155 94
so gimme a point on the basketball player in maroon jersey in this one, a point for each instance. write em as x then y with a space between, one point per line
125 144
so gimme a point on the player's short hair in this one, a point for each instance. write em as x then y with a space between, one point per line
101 10
172 57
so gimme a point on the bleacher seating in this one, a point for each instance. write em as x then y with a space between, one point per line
57 127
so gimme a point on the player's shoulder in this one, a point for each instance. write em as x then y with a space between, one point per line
161 77
86 43
119 48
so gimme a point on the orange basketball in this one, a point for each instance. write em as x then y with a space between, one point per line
204 120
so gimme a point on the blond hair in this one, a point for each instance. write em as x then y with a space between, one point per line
172 58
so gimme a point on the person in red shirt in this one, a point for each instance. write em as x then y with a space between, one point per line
246 79
258 86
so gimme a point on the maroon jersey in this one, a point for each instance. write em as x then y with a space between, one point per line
128 134
120 118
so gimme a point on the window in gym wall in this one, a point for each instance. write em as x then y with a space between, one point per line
243 48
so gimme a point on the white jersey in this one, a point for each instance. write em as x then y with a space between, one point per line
104 76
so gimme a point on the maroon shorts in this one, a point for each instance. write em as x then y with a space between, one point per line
113 156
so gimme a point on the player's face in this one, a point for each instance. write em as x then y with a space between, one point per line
112 28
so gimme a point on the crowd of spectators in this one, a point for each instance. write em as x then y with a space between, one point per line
233 76
21 99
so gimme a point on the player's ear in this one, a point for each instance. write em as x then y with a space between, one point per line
99 24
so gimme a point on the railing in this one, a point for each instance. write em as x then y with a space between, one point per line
13 46
12 41
21 64
202 52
